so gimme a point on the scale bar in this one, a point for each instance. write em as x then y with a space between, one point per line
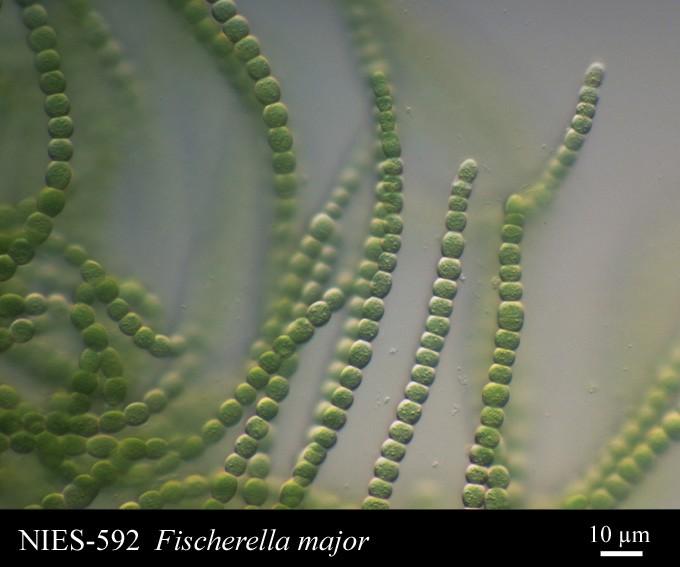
620 553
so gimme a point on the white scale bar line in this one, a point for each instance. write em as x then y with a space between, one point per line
620 553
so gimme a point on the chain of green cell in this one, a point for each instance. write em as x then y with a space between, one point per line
78 431
369 51
423 373
381 251
307 269
69 430
208 33
487 483
58 436
97 286
260 375
269 360
210 492
98 36
371 59
75 427
213 491
303 282
37 222
136 413
285 310
646 435
218 488
264 375
267 91
270 373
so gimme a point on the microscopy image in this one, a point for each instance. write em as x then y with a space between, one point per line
339 254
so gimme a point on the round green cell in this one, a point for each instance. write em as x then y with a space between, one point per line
258 67
73 445
629 470
504 356
106 290
136 413
495 395
130 324
82 316
275 115
409 412
156 448
423 374
257 427
360 354
33 422
9 398
267 409
247 48
657 439
245 394
255 491
496 499
235 464
54 501
386 470
89 361
144 338
671 425
42 38
643 456
267 91
196 485
393 450
245 446
112 421
427 357
277 388
473 496
498 477
22 442
617 486
283 162
151 500
132 448
342 398
301 330
34 16
440 307
391 146
84 382
172 491
291 494
95 337
437 325
101 446
11 305
511 315
86 424
476 474
259 466
334 418
115 390
452 245
480 455
81 492
319 313
487 436
500 374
